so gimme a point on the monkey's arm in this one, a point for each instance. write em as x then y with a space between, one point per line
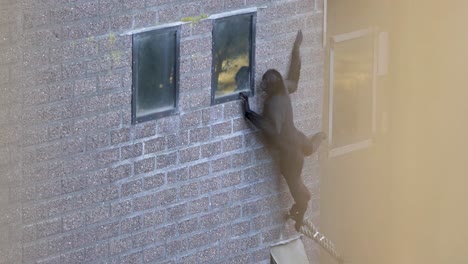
294 73
257 120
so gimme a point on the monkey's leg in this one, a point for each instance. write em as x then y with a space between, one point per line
291 167
311 144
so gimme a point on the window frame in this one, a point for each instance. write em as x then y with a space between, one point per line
159 114
253 30
365 143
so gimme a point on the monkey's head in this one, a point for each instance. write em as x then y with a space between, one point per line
272 82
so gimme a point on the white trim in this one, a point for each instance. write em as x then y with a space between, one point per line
324 32
141 30
353 35
331 84
286 241
350 148
235 12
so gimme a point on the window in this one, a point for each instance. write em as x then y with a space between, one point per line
155 74
352 91
233 57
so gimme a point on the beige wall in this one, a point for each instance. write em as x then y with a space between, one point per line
404 200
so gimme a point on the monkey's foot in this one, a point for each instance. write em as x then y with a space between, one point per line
297 215
317 139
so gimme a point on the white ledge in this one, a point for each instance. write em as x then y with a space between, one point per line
140 30
236 12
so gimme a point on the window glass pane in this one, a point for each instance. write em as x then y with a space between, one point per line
232 55
155 72
352 91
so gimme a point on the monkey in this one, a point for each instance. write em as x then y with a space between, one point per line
281 135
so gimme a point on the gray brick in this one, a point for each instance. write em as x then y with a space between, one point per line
222 129
132 187
231 144
61 130
131 224
231 179
232 110
108 156
144 238
73 257
210 185
120 136
121 22
120 245
121 208
242 159
95 252
131 151
219 200
154 218
199 170
188 191
153 254
74 184
155 145
176 212
213 114
97 214
188 226
168 125
240 229
234 3
144 166
221 164
73 221
50 227
195 45
166 160
110 81
177 175
146 129
177 247
61 243
49 189
190 120
154 181
98 140
85 86
194 100
106 230
211 149
199 134
119 172
189 154
169 14
145 19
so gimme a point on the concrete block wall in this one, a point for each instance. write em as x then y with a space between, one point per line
80 184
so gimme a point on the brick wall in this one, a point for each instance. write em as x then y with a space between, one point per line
80 184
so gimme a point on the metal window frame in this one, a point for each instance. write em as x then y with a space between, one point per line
253 28
176 28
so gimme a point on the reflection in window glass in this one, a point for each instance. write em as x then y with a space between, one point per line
353 91
155 74
233 57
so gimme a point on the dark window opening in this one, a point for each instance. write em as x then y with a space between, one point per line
233 57
155 74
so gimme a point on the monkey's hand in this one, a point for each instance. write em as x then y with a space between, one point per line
244 98
299 38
